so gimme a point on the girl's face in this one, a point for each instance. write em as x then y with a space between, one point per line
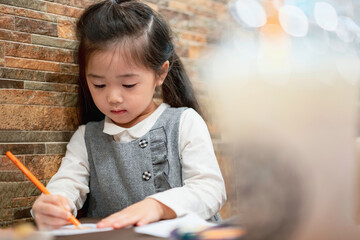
122 91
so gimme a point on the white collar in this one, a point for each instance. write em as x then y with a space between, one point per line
137 131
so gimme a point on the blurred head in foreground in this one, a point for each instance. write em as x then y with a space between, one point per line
286 102
270 190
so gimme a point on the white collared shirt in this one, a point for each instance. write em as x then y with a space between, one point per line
203 191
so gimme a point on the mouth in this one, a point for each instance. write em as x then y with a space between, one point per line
118 111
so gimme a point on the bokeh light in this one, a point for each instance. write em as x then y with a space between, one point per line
293 20
326 16
250 13
343 30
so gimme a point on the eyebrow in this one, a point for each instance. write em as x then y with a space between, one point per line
118 76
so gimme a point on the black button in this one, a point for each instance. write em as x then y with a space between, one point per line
143 143
146 176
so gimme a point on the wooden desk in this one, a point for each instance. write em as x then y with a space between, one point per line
125 233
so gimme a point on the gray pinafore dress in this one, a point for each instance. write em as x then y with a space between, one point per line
122 174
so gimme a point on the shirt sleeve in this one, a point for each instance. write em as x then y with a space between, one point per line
203 191
72 178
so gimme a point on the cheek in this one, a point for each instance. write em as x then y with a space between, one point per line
92 93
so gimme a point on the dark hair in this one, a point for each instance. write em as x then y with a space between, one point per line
146 39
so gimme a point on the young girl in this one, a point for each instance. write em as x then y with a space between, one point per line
134 162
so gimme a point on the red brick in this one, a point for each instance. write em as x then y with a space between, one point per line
22 117
75 3
70 68
6 214
7 22
196 51
222 12
201 24
31 64
27 13
160 3
61 78
35 26
192 36
23 201
36 52
11 176
11 83
153 6
15 36
66 29
180 20
56 148
53 42
181 50
43 167
6 164
205 11
30 97
182 6
21 221
35 136
22 74
17 189
2 51
58 87
22 148
27 4
22 213
204 3
63 10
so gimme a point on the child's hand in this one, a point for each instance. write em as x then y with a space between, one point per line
139 214
51 211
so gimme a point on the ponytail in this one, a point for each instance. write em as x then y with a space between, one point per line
177 90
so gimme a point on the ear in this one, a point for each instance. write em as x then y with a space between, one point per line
162 73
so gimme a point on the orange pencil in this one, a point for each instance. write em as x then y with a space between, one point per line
37 183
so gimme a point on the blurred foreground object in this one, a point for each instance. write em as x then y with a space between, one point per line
24 231
213 233
285 91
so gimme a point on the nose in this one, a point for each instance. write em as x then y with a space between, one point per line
114 96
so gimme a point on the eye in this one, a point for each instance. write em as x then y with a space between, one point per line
99 85
129 85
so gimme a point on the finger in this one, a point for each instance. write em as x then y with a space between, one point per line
52 221
57 200
125 222
51 198
144 221
45 226
65 203
117 221
53 210
109 220
104 223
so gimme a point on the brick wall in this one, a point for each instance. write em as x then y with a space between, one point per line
38 75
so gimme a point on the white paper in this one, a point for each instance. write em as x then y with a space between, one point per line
165 227
72 230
